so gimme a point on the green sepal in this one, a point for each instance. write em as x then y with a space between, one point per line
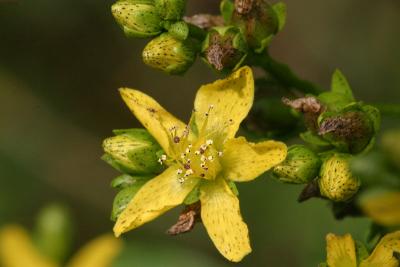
341 86
315 140
123 198
361 251
193 196
179 30
233 187
227 7
126 180
115 164
300 166
170 9
281 12
323 264
340 95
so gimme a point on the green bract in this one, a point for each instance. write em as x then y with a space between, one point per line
300 166
138 18
224 48
170 54
336 180
132 151
170 9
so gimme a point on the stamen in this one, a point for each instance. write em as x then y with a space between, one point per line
203 158
220 153
163 157
209 142
177 139
179 171
186 166
210 158
197 152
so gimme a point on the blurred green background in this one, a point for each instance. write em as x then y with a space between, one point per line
61 63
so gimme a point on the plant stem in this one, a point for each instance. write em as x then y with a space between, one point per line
390 110
283 73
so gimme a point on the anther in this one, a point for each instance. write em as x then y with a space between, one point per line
186 166
209 142
210 158
177 139
220 153
179 171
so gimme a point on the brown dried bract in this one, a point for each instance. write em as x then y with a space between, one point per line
187 220
310 190
304 104
220 53
243 7
205 21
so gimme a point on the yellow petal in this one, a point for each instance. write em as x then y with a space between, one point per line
231 99
99 252
382 256
383 209
244 161
153 116
17 249
156 197
341 251
220 213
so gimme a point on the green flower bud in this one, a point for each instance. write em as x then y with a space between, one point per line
391 146
170 54
138 18
132 151
123 198
224 48
352 130
171 9
336 180
53 231
256 18
300 166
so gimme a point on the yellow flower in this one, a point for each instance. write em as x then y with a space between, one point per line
18 250
341 252
203 155
383 209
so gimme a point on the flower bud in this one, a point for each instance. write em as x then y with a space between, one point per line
53 231
391 146
170 9
123 198
138 18
224 48
351 130
170 54
336 180
300 166
132 151
256 18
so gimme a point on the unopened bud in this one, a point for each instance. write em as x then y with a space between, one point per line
170 9
170 54
133 151
336 180
138 18
300 166
256 18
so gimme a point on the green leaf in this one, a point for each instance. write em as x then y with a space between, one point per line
281 11
341 86
123 198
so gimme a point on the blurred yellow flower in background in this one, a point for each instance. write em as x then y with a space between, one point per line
205 157
342 251
17 249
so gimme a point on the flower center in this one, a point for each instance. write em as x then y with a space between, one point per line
199 158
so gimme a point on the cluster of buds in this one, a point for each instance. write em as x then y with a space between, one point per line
225 40
173 50
339 127
134 153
